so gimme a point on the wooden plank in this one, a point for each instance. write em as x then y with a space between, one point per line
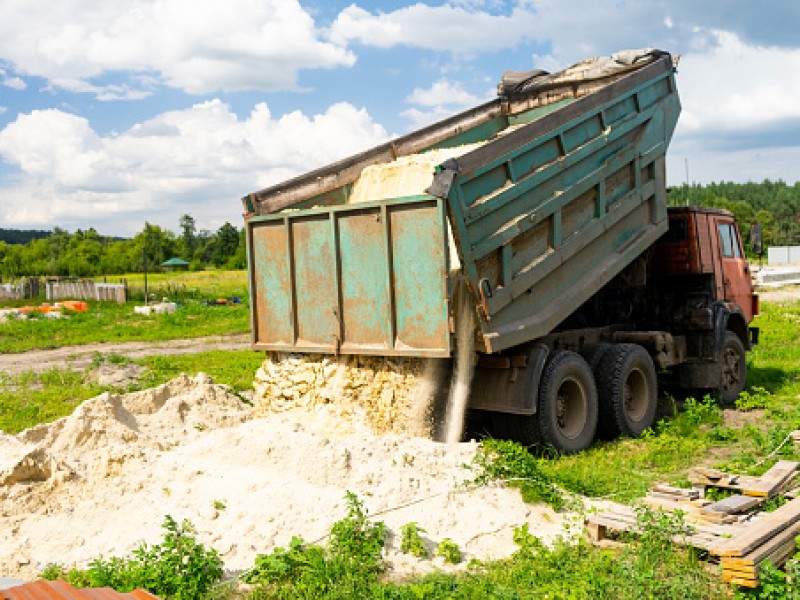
772 479
711 475
778 474
737 580
730 506
756 534
767 549
596 531
687 493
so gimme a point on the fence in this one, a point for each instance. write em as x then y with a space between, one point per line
86 289
27 287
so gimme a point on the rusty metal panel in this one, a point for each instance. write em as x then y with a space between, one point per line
271 284
366 297
357 279
419 285
315 270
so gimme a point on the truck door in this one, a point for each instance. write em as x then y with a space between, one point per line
737 284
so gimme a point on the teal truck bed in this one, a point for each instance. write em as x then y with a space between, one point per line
561 186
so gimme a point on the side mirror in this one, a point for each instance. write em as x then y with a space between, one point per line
756 238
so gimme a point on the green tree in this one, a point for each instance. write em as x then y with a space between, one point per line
188 237
226 244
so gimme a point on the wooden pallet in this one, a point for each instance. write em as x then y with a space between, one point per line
766 486
623 519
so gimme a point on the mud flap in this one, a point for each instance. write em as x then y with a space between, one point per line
510 389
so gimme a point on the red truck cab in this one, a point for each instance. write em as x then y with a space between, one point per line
701 266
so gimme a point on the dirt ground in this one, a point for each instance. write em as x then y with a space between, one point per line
789 293
80 357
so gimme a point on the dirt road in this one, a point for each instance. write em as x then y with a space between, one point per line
80 357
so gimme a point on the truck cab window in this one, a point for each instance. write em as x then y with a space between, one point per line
729 241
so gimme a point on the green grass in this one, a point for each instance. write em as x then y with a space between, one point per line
235 368
29 399
181 285
111 322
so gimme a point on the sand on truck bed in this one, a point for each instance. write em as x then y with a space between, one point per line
99 482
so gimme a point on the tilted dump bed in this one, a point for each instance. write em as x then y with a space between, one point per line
545 194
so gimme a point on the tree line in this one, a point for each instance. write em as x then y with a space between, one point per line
22 236
86 253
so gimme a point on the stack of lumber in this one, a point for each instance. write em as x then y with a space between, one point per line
729 528
771 537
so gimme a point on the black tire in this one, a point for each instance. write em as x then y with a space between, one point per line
594 353
567 407
734 369
517 428
627 391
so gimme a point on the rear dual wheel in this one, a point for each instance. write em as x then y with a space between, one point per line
611 388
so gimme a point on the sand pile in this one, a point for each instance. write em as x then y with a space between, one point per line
100 481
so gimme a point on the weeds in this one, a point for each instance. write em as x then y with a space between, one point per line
412 542
756 398
347 568
179 568
449 551
512 463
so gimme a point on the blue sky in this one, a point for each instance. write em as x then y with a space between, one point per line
115 114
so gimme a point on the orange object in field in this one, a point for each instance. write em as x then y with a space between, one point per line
76 305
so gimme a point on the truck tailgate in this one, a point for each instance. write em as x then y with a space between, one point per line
354 279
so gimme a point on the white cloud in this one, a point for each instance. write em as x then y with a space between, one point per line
733 86
195 45
444 28
441 100
420 118
3 109
200 160
753 164
442 92
15 83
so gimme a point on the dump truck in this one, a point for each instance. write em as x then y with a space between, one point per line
545 210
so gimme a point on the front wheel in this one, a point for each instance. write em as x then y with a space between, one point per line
734 368
567 407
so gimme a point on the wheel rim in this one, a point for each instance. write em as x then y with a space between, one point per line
571 408
636 399
731 367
